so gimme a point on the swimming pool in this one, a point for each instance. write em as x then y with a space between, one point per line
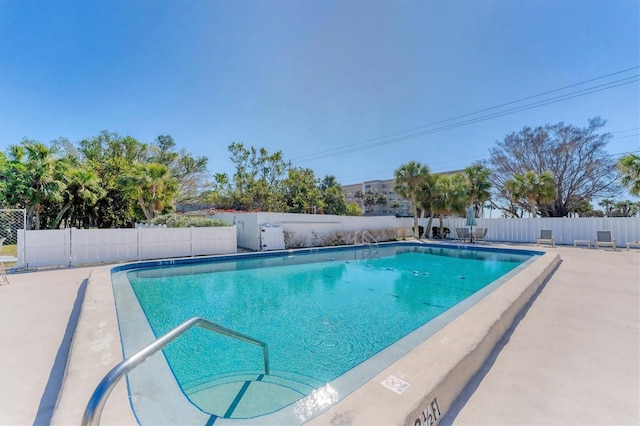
332 318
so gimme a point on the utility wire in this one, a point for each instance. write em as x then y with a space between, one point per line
538 104
384 139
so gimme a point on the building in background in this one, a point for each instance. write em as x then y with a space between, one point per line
379 198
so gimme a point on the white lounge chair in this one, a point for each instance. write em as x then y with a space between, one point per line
463 234
480 234
633 244
603 238
546 237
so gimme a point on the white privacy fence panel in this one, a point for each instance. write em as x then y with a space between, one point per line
565 230
81 246
157 243
213 240
103 245
44 248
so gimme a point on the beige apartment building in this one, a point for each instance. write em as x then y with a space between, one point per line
394 205
356 192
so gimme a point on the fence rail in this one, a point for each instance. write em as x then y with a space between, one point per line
72 246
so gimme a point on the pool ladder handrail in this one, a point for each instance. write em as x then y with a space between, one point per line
369 239
96 403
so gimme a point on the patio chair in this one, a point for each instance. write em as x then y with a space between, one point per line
463 234
603 238
633 244
546 237
480 234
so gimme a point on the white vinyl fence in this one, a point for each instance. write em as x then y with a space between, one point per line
70 247
565 230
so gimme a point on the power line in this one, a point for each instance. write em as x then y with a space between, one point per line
352 148
384 139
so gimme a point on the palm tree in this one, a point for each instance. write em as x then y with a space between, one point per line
607 203
426 199
151 186
37 179
409 179
451 196
532 188
394 204
479 185
629 168
369 201
82 193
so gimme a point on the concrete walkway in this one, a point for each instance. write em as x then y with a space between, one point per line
574 358
38 311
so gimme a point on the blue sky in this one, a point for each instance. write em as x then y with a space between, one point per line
325 82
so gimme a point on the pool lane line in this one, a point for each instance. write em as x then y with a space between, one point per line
237 400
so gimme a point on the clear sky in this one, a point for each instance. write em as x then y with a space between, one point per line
349 88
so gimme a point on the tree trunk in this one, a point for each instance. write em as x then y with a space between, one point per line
532 207
428 229
416 230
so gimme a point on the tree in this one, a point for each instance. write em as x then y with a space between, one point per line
426 199
302 192
479 186
576 157
629 168
369 200
624 208
83 190
34 177
257 182
353 209
409 178
188 171
532 189
607 203
333 198
112 156
4 177
451 196
152 187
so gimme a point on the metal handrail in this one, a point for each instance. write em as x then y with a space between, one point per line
355 237
371 243
97 401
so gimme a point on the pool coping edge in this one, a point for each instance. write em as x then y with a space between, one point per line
96 347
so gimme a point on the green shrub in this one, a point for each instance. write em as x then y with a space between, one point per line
181 221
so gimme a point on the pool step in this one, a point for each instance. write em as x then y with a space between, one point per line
244 396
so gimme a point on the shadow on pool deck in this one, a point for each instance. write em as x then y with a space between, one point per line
56 377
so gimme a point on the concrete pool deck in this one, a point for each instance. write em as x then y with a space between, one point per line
572 358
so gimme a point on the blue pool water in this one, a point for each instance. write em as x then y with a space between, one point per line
321 313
